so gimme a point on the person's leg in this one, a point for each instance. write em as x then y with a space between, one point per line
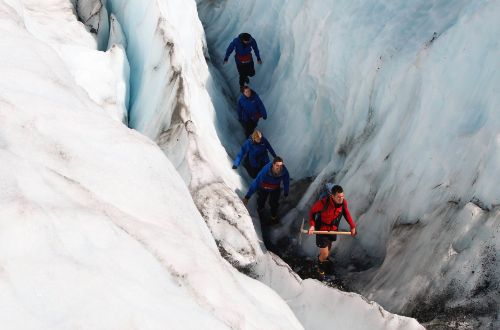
250 69
245 70
249 127
264 225
255 170
274 199
261 200
322 244
241 71
252 171
248 167
323 254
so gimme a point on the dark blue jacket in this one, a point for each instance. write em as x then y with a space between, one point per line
257 152
242 50
251 108
265 180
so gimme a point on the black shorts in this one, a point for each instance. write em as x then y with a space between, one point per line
322 241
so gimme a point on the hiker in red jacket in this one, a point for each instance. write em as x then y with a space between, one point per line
325 215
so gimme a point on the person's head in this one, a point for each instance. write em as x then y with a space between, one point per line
256 136
247 91
245 38
337 194
277 165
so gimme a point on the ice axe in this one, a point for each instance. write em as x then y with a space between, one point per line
323 232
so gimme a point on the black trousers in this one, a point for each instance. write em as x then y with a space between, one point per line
249 127
274 200
252 171
245 70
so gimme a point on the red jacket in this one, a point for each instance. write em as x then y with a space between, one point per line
332 212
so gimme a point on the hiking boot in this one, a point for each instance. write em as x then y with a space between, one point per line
328 266
321 273
321 265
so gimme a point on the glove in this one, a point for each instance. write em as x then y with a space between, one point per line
225 61
234 167
265 117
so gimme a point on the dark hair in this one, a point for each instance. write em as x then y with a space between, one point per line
245 37
277 159
337 189
246 87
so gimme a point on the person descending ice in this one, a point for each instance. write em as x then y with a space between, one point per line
242 46
250 109
254 153
325 215
268 185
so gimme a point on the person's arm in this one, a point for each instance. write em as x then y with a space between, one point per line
256 50
255 184
268 146
347 216
241 154
262 108
229 50
240 110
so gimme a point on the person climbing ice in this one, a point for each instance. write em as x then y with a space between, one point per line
250 109
242 46
254 153
268 185
325 215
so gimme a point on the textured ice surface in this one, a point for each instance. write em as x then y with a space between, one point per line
398 102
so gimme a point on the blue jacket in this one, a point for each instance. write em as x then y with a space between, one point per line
242 50
251 108
265 180
257 152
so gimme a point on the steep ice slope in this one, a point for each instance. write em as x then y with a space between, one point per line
398 102
97 229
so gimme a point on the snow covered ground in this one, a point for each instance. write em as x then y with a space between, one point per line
98 228
399 103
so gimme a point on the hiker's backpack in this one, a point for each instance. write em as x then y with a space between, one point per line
326 191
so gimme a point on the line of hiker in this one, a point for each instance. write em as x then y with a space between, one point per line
268 176
327 211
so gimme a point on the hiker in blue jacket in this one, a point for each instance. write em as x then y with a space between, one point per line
243 45
250 109
268 184
254 152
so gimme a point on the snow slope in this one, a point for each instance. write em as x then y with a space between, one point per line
398 102
98 230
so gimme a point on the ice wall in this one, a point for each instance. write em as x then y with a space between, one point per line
398 102
97 228
173 101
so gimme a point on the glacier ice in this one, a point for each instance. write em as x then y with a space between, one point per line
397 102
